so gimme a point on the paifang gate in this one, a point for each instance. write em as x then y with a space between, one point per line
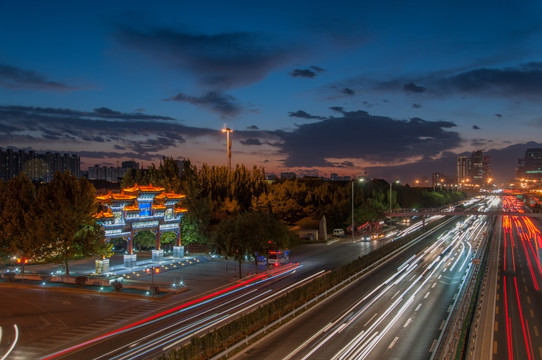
140 208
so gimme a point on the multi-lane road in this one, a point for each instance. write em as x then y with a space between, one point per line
397 311
518 312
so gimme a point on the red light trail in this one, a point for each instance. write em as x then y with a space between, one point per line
275 272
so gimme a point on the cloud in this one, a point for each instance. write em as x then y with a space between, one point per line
306 73
416 106
360 135
304 115
522 80
498 115
106 111
222 61
251 142
252 127
218 102
475 127
411 87
345 164
317 68
337 108
12 77
136 132
107 155
480 143
348 91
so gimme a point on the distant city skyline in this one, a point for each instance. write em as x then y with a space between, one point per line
393 90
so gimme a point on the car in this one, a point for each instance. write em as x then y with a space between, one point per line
338 232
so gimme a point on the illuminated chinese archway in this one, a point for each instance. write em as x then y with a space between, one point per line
142 208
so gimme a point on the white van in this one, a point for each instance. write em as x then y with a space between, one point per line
338 232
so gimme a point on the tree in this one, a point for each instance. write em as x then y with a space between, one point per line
195 223
168 175
145 238
250 233
64 221
129 179
168 237
230 241
432 199
17 197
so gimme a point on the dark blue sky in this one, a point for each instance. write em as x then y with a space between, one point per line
392 88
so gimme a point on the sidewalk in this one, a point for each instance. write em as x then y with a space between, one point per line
192 274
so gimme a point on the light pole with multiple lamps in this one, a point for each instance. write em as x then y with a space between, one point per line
228 146
353 181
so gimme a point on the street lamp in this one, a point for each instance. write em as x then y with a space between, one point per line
228 146
391 184
353 181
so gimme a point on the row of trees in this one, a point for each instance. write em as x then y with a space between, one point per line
237 212
50 223
222 203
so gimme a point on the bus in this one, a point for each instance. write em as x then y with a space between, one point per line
278 257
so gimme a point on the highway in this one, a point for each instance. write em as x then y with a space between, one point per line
518 315
397 311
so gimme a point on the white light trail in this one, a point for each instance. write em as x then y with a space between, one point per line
14 343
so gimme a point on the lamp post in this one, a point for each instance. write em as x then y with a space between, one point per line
228 146
353 181
352 211
391 184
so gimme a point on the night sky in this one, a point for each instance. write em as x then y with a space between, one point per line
391 89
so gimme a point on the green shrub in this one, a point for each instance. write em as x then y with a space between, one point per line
81 281
117 285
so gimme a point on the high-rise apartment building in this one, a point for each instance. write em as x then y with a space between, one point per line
287 175
40 167
463 166
530 167
130 164
477 167
109 173
474 170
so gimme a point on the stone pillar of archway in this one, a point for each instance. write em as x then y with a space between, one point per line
157 254
178 250
131 243
102 265
130 258
158 238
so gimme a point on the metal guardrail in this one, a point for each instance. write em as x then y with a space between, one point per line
319 298
424 212
452 340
